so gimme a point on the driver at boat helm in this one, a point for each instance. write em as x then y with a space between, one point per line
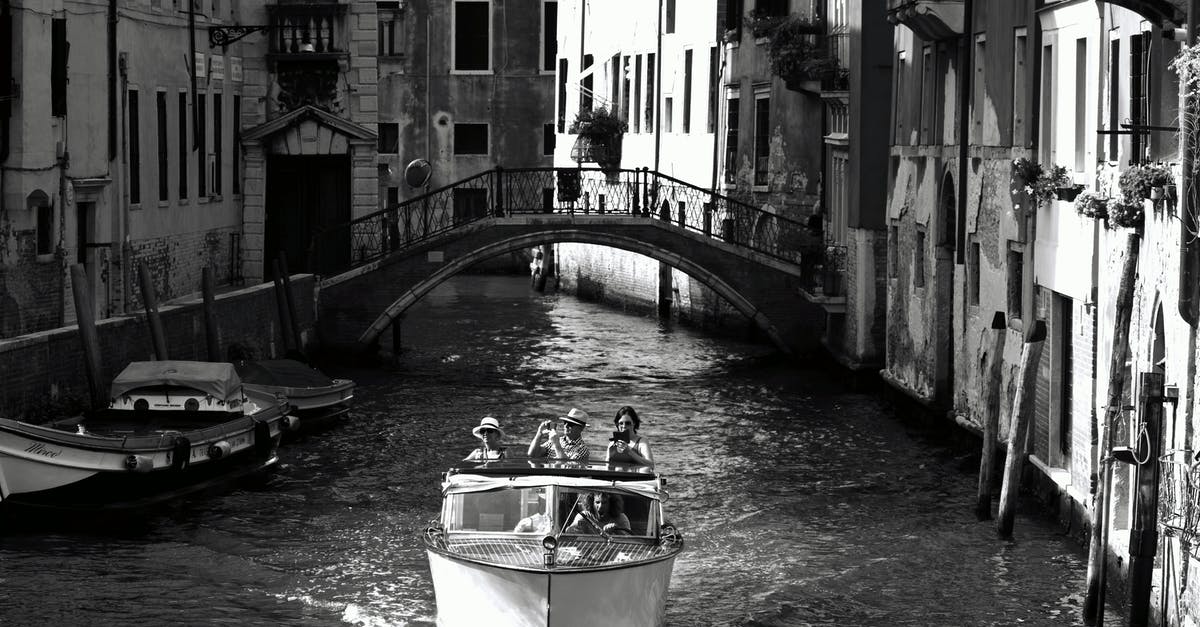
567 444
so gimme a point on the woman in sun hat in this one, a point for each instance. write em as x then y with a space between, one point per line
566 445
490 432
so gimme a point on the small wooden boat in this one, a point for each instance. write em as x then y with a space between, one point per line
515 545
171 428
316 400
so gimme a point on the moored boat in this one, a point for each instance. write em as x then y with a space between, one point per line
316 400
171 428
517 544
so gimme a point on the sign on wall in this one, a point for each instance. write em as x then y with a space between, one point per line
235 69
216 67
200 65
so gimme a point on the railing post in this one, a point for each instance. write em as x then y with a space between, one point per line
682 214
499 211
634 195
708 214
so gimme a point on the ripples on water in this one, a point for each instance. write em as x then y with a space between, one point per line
802 503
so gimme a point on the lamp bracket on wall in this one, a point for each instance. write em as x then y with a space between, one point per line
225 35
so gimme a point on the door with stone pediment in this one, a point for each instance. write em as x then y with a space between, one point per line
305 194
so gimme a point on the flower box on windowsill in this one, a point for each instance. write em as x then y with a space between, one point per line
603 150
1069 192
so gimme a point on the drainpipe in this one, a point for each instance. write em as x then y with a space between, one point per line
1189 247
658 87
964 127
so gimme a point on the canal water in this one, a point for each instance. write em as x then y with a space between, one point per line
801 501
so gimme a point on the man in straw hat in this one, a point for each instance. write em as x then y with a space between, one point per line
567 444
490 432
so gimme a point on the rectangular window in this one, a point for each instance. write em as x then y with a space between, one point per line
585 93
973 274
547 140
733 19
1046 113
651 70
1020 42
562 96
236 148
919 259
135 150
45 229
389 18
183 146
160 109
1016 279
472 36
1066 368
762 137
393 197
774 8
687 91
59 50
711 124
625 80
549 34
929 88
1114 98
635 113
899 108
202 145
614 82
732 114
979 89
668 113
1081 61
470 139
218 104
893 249
669 18
389 138
1139 100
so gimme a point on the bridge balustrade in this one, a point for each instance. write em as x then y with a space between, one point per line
503 192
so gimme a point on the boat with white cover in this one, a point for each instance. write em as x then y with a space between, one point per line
171 428
515 546
316 400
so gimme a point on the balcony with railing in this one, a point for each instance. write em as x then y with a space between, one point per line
929 19
307 31
823 276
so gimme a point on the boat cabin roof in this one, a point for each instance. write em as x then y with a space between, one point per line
539 467
218 380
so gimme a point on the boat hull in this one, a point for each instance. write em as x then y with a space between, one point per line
469 592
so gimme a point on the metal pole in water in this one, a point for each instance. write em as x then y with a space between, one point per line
1018 428
150 300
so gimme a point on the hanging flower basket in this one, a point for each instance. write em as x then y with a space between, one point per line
599 137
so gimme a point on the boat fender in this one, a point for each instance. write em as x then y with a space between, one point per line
181 453
290 423
219 450
264 444
139 463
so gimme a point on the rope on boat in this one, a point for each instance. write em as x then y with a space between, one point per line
181 453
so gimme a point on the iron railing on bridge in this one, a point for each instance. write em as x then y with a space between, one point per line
505 192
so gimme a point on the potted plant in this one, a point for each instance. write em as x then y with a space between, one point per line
600 133
798 51
762 23
1090 205
1043 184
1139 182
1126 213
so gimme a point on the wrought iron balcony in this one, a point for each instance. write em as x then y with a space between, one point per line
929 19
823 271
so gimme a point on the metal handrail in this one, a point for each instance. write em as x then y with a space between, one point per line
503 192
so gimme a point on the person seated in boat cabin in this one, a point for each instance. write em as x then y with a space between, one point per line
566 445
634 451
490 432
539 521
600 513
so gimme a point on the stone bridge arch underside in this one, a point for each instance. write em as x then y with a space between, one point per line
356 307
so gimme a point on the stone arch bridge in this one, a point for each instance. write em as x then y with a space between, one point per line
377 266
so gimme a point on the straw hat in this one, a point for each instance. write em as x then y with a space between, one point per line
575 416
487 423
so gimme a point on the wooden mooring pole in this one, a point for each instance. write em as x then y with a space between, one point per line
81 288
1093 603
991 417
210 317
285 323
290 299
1018 428
150 300
1143 534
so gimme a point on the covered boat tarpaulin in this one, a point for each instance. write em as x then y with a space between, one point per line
282 373
458 484
218 380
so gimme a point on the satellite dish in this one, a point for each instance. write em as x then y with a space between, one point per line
417 173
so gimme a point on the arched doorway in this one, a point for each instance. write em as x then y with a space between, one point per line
943 297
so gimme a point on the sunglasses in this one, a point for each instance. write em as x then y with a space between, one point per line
487 431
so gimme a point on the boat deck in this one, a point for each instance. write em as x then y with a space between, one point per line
581 552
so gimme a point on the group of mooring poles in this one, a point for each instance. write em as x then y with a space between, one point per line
1143 533
84 314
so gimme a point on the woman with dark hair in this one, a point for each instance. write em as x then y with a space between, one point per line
602 513
627 447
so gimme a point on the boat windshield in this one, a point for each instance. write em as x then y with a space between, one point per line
541 510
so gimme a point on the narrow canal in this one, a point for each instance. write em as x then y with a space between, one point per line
802 502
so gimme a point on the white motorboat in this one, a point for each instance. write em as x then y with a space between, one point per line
171 428
517 546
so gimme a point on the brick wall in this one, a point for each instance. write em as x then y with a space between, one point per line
177 261
44 372
31 288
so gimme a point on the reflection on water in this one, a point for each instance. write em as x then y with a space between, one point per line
802 503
